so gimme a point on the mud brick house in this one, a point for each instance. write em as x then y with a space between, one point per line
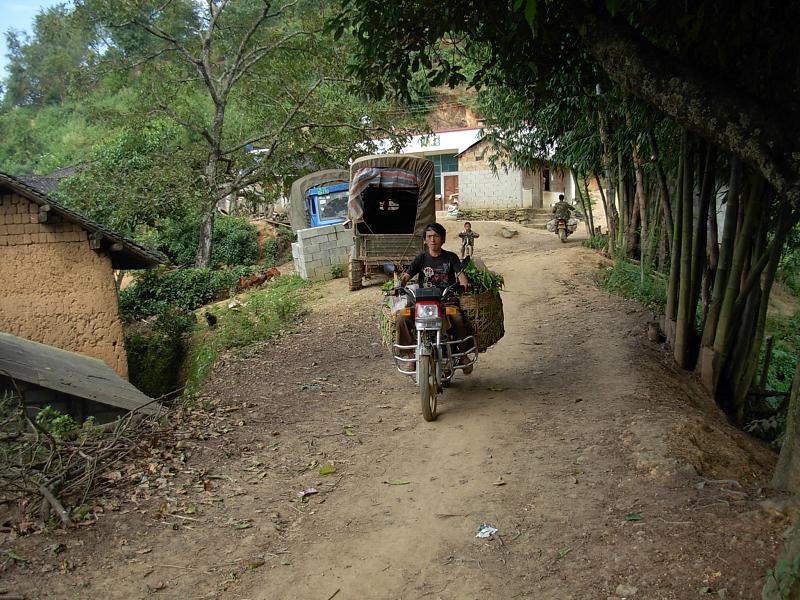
57 275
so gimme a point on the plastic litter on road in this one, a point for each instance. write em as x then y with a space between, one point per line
484 531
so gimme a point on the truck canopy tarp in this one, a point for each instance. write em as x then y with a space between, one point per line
401 171
298 213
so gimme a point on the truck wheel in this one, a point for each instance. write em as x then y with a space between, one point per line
356 275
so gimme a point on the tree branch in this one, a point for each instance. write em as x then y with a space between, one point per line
716 110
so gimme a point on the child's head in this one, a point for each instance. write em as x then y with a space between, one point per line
467 226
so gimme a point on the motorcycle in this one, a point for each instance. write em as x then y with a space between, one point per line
435 359
563 227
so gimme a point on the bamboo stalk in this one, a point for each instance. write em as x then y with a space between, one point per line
675 257
684 320
725 253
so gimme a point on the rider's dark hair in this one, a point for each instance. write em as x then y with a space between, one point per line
467 223
437 229
561 196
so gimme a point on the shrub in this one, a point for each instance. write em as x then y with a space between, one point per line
267 312
597 242
155 291
337 271
155 356
625 279
234 241
276 249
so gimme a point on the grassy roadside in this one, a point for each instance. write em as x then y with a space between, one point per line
239 322
625 279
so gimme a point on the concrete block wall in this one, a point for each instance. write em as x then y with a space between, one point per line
319 249
487 190
54 289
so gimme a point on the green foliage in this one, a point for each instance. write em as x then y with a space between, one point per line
154 291
264 314
141 160
597 242
276 249
337 271
57 424
155 355
784 580
235 242
789 268
625 279
785 352
483 280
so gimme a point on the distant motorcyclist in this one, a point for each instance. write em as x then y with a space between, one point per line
562 209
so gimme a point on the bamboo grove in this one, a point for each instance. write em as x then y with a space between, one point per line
688 212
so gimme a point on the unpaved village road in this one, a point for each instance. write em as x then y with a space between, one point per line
604 469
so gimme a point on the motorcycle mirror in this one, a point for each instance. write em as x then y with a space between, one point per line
389 268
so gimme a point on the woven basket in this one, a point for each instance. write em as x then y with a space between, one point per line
484 316
387 325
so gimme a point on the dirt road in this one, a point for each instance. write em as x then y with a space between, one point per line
604 469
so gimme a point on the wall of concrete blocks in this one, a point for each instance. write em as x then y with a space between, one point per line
484 189
319 249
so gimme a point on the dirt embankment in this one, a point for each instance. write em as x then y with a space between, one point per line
605 470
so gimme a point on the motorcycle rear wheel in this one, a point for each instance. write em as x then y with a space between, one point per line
562 235
426 376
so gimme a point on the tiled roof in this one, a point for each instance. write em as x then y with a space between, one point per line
132 256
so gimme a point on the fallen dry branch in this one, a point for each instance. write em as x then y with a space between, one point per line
62 470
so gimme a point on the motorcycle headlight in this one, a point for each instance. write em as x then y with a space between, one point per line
427 311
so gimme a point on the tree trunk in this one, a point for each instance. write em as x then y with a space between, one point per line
587 220
744 243
203 259
605 203
590 212
675 262
641 198
611 208
662 182
725 252
713 256
701 226
624 218
684 320
787 472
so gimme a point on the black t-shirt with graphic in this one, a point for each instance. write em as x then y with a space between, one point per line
435 271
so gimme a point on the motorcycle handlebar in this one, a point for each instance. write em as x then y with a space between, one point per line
398 291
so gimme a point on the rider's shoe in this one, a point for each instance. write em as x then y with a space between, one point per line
407 365
468 369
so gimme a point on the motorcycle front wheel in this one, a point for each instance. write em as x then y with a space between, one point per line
426 377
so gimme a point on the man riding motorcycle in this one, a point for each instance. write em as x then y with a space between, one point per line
436 267
562 209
